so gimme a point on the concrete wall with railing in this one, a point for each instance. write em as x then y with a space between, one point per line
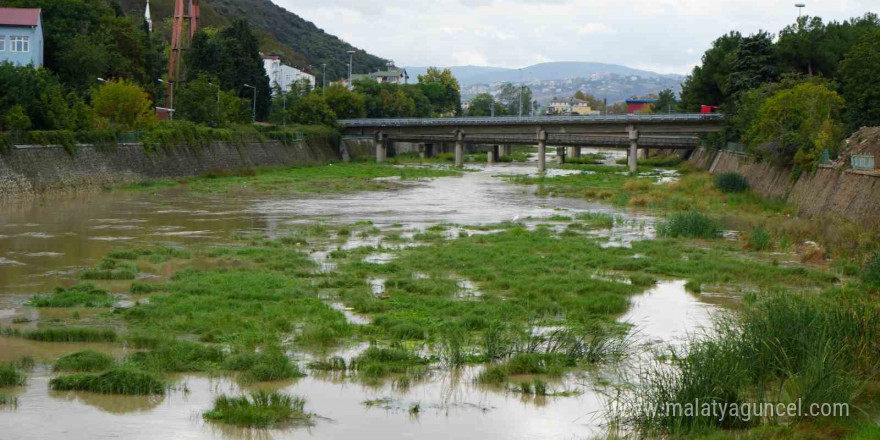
33 171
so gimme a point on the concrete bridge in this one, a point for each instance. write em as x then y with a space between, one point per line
623 131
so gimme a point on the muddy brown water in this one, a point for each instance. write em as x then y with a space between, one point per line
44 243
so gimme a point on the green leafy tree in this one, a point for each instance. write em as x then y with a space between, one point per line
482 105
442 90
422 105
618 108
232 55
510 96
16 119
124 105
199 101
707 83
345 103
795 125
754 63
860 82
312 110
666 102
800 46
385 100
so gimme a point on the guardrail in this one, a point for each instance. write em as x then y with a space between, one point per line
530 120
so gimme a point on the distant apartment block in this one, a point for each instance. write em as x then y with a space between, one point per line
21 36
569 106
284 76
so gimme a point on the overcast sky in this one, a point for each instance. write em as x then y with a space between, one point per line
667 36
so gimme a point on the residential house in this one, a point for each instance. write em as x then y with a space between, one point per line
21 36
284 76
392 76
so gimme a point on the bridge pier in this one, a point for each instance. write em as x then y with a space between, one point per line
633 148
381 149
574 152
490 157
560 155
542 150
459 149
505 150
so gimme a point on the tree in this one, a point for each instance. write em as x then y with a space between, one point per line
16 119
124 105
198 101
861 82
619 108
511 96
482 105
442 89
754 63
345 103
707 83
799 46
232 55
312 110
795 125
422 107
666 102
385 100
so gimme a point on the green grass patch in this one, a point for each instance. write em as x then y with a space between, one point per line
65 334
260 409
86 360
380 362
179 356
111 269
121 380
268 365
80 295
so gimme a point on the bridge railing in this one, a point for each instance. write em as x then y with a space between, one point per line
526 120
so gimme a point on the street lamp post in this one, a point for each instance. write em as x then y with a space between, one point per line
350 64
171 100
324 79
255 101
800 6
520 92
219 114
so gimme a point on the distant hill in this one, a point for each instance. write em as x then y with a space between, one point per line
299 41
471 75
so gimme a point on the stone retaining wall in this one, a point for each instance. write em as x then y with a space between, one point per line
852 194
29 171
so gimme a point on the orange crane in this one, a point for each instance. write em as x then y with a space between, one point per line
184 26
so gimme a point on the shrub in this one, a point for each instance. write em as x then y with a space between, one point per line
122 380
335 363
377 362
86 360
731 183
80 295
259 409
690 224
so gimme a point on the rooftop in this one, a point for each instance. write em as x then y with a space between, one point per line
19 17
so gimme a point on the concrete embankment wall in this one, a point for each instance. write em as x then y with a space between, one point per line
852 194
29 171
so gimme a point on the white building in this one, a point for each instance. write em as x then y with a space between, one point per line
283 76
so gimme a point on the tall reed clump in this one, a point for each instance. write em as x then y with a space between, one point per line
689 224
121 380
10 375
378 362
260 409
731 183
782 349
86 360
759 239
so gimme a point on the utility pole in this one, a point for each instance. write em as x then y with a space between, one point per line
520 92
255 101
324 79
350 65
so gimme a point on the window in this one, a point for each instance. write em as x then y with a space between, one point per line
19 44
2 43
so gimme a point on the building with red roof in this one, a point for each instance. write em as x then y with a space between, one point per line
21 36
